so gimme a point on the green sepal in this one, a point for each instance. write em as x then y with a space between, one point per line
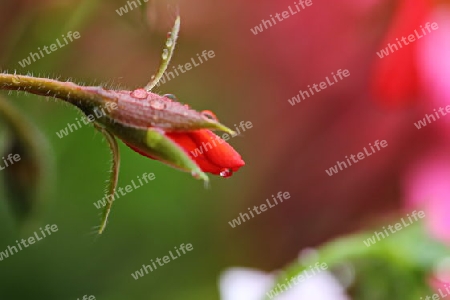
154 143
163 148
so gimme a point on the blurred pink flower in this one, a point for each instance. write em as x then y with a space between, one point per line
434 63
427 182
426 185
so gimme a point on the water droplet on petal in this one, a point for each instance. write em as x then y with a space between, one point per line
169 43
225 173
210 115
157 104
139 94
171 97
165 54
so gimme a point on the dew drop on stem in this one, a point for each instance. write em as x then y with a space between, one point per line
165 54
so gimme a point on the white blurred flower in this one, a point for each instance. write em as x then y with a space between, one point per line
250 284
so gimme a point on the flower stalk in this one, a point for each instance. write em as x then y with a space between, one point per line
156 126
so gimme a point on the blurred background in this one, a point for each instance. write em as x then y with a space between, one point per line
288 148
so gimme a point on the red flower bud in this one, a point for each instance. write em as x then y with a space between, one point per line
182 125
211 153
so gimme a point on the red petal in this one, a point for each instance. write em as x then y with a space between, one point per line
209 151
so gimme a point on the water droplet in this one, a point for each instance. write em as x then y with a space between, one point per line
169 43
165 54
225 173
210 115
171 96
139 94
157 104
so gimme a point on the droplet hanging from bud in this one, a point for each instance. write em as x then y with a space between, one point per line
225 173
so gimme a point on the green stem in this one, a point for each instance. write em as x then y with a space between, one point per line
166 56
114 174
67 91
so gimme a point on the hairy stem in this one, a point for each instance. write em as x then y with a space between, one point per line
67 91
114 175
